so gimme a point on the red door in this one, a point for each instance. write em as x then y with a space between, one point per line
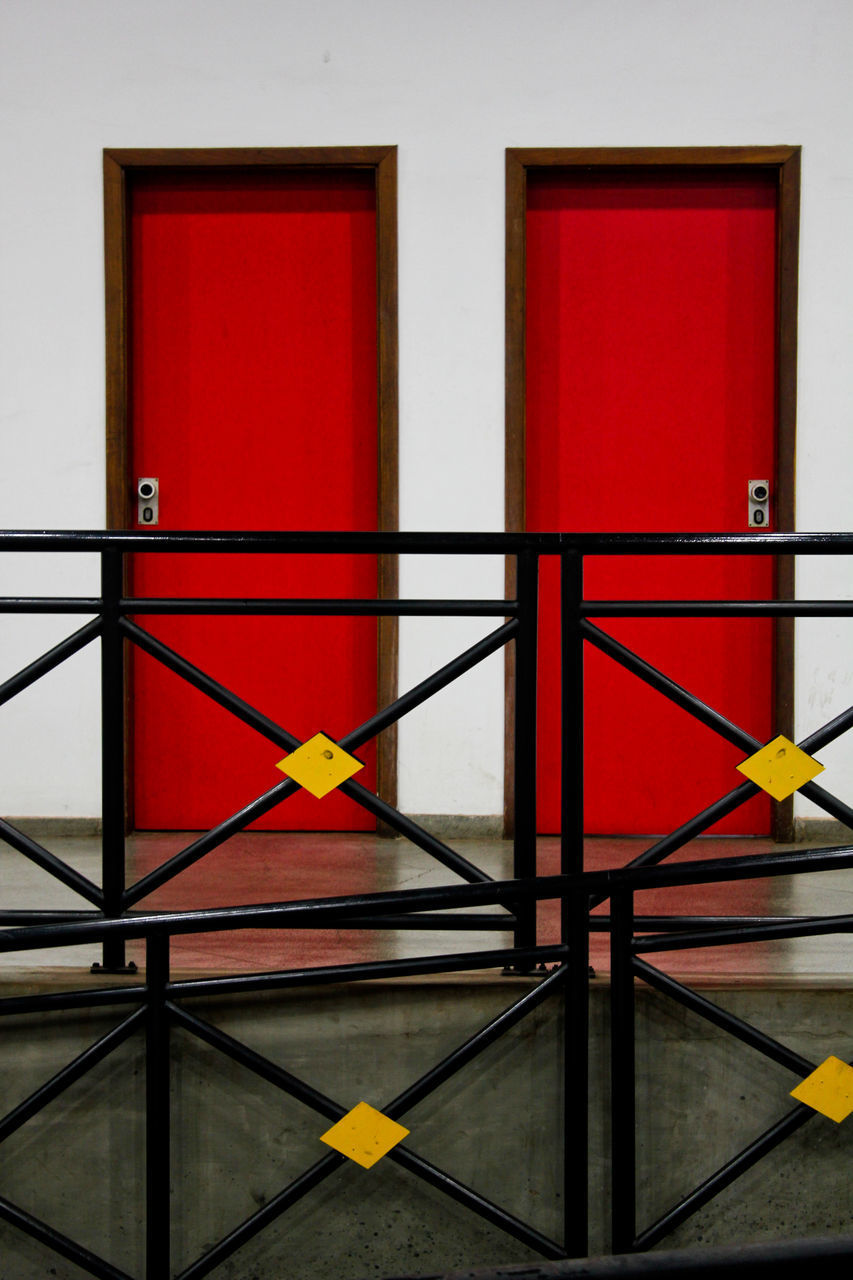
651 384
253 402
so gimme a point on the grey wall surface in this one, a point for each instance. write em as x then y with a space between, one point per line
452 83
496 1126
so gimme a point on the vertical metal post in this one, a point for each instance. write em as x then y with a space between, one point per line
622 1072
524 849
574 915
576 1077
571 694
112 754
157 1114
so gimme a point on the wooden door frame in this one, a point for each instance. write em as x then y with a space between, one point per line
119 165
785 162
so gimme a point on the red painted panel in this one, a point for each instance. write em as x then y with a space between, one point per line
651 374
253 374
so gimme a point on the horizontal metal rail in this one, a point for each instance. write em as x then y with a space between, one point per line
788 1260
428 543
324 912
717 609
256 607
325 608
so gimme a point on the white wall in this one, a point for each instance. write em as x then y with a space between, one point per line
452 83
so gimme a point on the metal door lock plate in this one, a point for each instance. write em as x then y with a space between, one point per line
148 500
759 504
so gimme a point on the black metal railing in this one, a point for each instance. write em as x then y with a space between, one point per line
115 627
629 942
831 1256
114 916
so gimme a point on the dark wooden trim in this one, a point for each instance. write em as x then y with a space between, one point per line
787 283
630 157
388 450
118 163
786 161
515 380
118 493
248 157
115 273
515 374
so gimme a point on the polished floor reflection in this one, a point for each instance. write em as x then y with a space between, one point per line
269 867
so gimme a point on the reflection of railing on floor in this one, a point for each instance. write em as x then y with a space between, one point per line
117 918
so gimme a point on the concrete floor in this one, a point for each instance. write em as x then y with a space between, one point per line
269 866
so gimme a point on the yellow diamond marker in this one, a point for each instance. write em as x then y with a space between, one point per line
829 1089
780 768
319 765
364 1135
